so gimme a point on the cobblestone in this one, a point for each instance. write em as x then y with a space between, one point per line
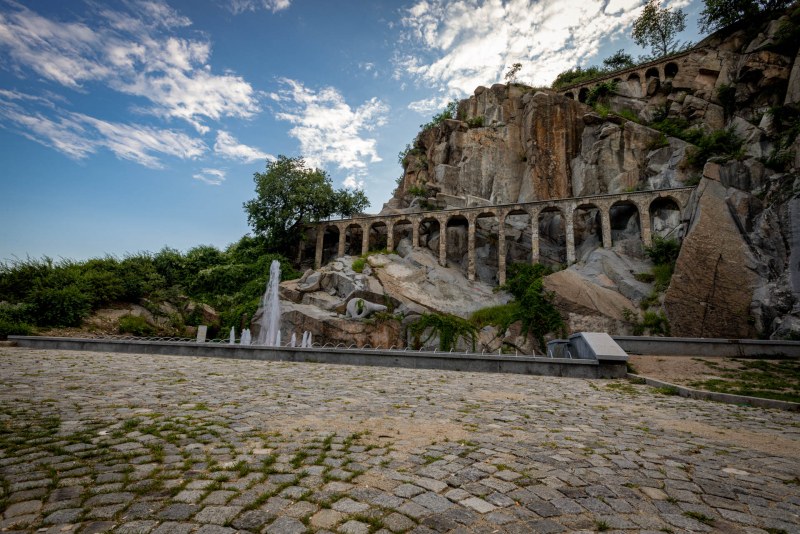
161 444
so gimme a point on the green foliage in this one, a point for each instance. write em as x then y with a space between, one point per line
534 306
662 274
720 143
417 191
511 75
501 316
653 323
656 28
600 92
290 195
475 122
13 328
719 14
663 251
726 93
65 306
449 112
449 328
576 76
618 61
135 325
359 264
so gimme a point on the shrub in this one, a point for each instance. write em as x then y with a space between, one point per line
662 274
59 307
359 264
600 92
449 112
663 251
475 122
718 143
135 325
654 323
417 191
449 328
14 328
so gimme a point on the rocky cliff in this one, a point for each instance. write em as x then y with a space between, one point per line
723 117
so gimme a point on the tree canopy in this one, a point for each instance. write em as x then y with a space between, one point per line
657 28
718 14
620 60
290 195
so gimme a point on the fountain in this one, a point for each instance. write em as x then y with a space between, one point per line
269 333
232 337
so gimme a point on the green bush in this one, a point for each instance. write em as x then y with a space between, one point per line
135 325
663 251
59 307
600 92
449 328
723 143
475 122
359 264
14 328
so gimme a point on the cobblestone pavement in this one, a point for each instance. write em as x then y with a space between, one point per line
94 442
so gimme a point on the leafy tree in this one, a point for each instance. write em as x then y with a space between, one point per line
718 14
511 75
620 60
290 195
657 27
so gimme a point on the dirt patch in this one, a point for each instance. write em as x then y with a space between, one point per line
681 369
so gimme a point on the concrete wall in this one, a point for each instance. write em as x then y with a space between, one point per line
527 365
734 348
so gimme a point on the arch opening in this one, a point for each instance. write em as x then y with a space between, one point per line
429 234
626 228
402 232
665 218
518 237
552 238
330 244
378 236
670 70
353 240
569 95
458 241
587 230
486 242
583 94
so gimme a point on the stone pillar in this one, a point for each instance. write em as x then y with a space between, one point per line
644 222
318 250
342 236
390 236
365 238
569 228
442 242
501 248
534 237
415 233
605 221
471 248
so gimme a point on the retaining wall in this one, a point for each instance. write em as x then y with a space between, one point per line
687 346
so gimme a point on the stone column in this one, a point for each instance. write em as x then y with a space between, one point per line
471 248
644 222
569 227
605 221
318 250
501 248
415 233
442 241
389 236
342 236
365 238
534 236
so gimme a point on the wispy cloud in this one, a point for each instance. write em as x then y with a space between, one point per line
229 147
78 135
240 6
456 45
210 176
133 52
329 130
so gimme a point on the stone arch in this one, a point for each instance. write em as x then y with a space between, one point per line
583 94
487 227
634 76
569 95
587 221
402 229
670 70
552 237
330 243
353 240
626 227
634 85
429 230
652 81
665 217
378 236
457 240
652 72
518 236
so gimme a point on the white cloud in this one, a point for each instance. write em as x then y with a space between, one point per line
240 6
353 182
78 135
132 52
328 129
229 147
456 45
210 176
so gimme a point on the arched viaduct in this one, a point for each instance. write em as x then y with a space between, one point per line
642 80
644 203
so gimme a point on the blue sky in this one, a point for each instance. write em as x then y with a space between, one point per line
131 125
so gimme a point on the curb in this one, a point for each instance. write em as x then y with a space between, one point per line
727 398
